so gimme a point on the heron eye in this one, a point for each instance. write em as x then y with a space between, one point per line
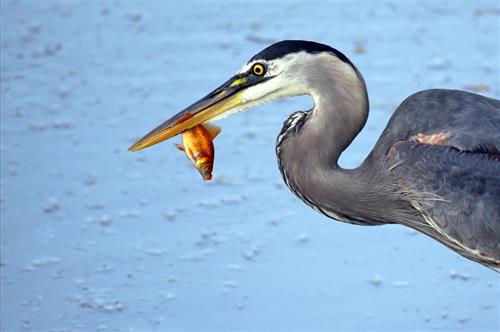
258 69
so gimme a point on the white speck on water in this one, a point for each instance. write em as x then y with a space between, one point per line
38 126
375 281
232 200
101 327
234 267
26 303
130 214
223 179
459 276
42 262
180 209
90 219
275 221
12 170
79 281
170 215
209 203
135 17
89 179
96 206
401 284
251 254
197 256
172 279
105 220
35 28
487 12
154 252
250 134
439 63
102 305
51 205
369 316
279 185
302 238
26 325
105 268
57 275
51 50
255 176
105 11
63 92
260 40
487 305
208 238
230 284
62 124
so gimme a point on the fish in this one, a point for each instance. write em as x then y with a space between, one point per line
197 144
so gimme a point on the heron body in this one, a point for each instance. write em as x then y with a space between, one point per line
435 168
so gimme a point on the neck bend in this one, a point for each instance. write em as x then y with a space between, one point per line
308 155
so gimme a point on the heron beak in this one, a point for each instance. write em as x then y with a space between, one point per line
222 99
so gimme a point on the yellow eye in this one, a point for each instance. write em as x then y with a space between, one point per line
258 69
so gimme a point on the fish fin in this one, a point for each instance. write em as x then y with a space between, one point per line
212 129
179 147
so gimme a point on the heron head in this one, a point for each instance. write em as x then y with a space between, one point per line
282 69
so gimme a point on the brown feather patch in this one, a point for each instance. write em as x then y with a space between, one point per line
438 138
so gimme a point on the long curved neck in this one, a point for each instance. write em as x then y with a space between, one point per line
339 114
309 156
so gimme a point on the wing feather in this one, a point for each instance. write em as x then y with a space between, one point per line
457 193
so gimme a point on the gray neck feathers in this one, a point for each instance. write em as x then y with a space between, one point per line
309 156
340 107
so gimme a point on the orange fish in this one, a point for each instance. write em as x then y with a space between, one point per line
199 148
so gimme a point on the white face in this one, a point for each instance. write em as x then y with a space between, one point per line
284 82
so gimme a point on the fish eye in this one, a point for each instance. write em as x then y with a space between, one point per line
258 69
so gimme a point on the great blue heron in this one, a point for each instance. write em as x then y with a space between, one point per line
435 168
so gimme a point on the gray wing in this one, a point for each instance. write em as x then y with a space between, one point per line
457 193
444 150
466 121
